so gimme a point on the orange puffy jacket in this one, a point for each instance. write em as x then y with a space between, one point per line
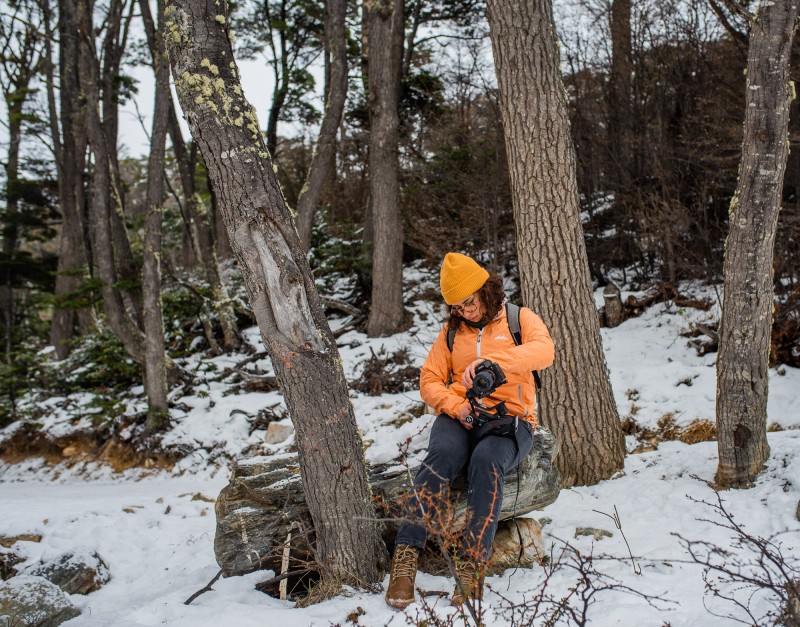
495 343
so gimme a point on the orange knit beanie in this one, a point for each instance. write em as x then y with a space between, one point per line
460 277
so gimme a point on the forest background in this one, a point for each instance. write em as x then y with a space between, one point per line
125 278
657 127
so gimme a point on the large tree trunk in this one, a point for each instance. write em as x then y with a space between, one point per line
744 335
324 160
576 400
155 367
281 290
385 56
69 142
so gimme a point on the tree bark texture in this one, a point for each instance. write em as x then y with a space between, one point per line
69 142
747 306
576 401
385 25
323 163
155 364
281 290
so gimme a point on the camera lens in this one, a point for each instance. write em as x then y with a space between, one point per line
483 383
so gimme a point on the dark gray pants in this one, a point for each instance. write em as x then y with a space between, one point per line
449 452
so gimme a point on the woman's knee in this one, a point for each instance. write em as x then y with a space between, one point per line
448 447
490 460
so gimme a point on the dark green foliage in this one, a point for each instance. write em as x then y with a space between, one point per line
421 98
182 308
19 374
338 261
98 363
86 294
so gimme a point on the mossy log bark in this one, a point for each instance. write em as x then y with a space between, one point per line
265 497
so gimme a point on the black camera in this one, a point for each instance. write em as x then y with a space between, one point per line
488 377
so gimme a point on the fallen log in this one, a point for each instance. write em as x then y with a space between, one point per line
634 307
265 497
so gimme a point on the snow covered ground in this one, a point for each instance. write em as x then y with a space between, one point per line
158 542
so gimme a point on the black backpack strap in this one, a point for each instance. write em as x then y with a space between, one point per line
451 338
512 317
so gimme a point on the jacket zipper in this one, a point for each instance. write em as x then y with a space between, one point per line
480 334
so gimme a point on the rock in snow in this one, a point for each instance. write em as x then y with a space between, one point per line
34 602
74 574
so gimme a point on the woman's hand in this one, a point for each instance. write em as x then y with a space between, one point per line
463 412
469 373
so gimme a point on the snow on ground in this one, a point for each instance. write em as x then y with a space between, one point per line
158 542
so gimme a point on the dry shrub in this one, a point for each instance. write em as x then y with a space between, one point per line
322 590
699 430
667 427
387 374
629 425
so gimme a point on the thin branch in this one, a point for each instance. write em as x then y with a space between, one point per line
204 589
726 24
734 7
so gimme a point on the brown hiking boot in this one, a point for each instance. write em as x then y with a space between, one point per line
471 576
400 592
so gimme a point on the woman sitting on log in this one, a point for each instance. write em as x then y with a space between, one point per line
485 423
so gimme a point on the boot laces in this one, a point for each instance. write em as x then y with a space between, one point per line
468 574
405 562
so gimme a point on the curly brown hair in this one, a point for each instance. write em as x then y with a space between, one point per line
491 296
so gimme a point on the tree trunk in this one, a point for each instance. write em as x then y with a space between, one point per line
114 44
155 379
196 216
20 64
281 290
385 23
744 334
619 95
221 240
199 223
576 400
323 162
282 78
14 100
69 142
99 205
